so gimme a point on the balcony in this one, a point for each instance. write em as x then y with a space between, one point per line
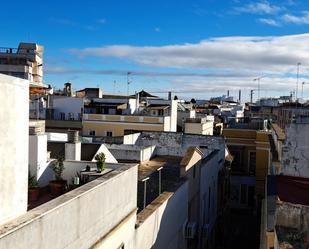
123 118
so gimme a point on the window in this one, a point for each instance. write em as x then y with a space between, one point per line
160 113
92 133
109 134
252 162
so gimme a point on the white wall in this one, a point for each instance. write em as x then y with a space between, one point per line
14 129
174 104
79 218
73 151
209 179
162 229
109 158
39 165
131 139
71 168
131 152
67 105
59 137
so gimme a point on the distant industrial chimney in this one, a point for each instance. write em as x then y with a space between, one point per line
228 93
169 95
239 96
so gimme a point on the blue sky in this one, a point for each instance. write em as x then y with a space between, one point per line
194 48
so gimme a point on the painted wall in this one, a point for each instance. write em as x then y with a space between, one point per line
67 105
79 218
117 128
131 138
174 104
14 129
38 162
199 128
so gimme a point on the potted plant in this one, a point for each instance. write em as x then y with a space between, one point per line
100 157
58 186
33 188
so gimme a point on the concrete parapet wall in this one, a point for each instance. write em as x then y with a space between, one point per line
131 152
77 219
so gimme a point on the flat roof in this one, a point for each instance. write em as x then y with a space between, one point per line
146 169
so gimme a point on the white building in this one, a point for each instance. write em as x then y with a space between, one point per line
14 116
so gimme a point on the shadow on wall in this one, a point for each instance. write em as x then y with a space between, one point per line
47 174
160 224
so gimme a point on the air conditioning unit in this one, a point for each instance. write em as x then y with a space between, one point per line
189 230
205 231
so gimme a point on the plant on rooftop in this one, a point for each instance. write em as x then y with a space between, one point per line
100 157
33 188
58 186
58 169
32 182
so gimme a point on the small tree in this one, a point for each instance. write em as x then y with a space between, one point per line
100 157
58 169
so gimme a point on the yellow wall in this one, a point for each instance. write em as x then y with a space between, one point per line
257 141
117 128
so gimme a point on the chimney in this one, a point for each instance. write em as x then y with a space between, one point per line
169 95
228 93
239 96
73 147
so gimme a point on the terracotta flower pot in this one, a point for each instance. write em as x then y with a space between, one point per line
57 187
33 194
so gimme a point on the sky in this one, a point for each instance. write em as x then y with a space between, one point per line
196 49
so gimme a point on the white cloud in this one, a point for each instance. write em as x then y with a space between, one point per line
262 7
270 22
268 54
216 64
300 19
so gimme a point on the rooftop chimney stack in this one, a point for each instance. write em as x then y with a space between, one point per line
228 93
73 147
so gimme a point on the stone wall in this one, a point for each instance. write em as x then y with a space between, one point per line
295 150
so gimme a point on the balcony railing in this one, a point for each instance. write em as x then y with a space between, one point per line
5 50
124 118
